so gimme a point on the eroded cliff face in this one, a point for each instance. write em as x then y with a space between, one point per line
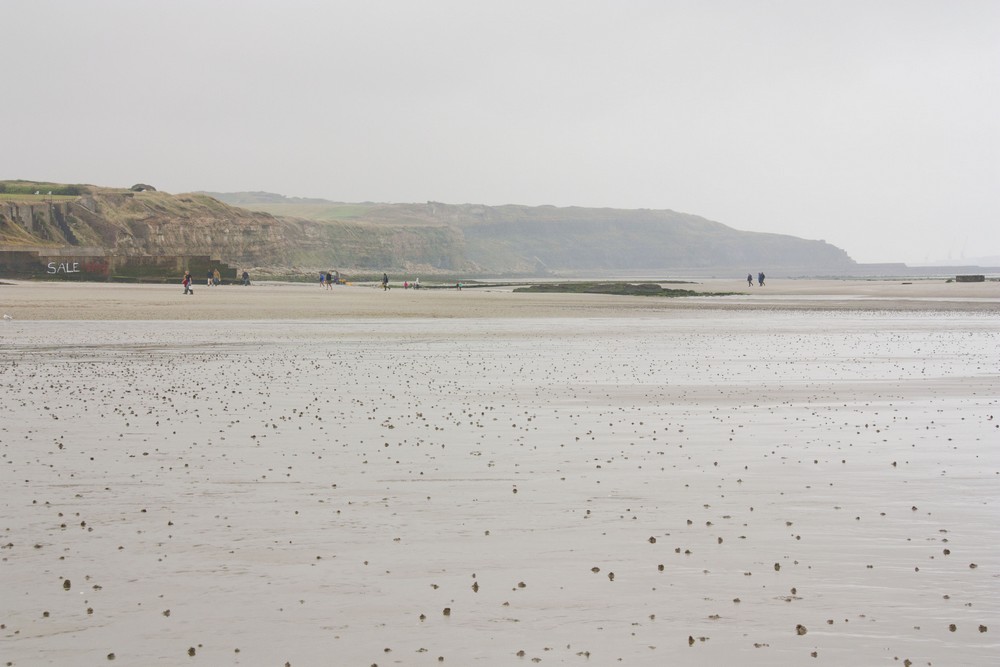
147 223
426 238
157 223
529 240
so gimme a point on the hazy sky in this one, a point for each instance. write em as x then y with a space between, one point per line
872 124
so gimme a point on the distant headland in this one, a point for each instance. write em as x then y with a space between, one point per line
140 233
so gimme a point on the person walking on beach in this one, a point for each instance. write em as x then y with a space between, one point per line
329 281
322 280
246 279
208 283
385 281
760 279
749 280
187 283
216 278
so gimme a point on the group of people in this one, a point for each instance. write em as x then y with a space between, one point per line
760 279
406 283
214 279
327 279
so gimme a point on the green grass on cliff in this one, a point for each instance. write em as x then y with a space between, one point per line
33 198
318 212
42 187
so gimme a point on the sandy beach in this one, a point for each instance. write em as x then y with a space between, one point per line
25 300
807 473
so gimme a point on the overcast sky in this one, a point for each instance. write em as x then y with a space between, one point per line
872 124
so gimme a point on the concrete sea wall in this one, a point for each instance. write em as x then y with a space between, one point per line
84 264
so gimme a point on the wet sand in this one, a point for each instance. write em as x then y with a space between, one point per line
797 478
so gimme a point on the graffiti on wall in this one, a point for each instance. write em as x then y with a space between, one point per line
63 267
